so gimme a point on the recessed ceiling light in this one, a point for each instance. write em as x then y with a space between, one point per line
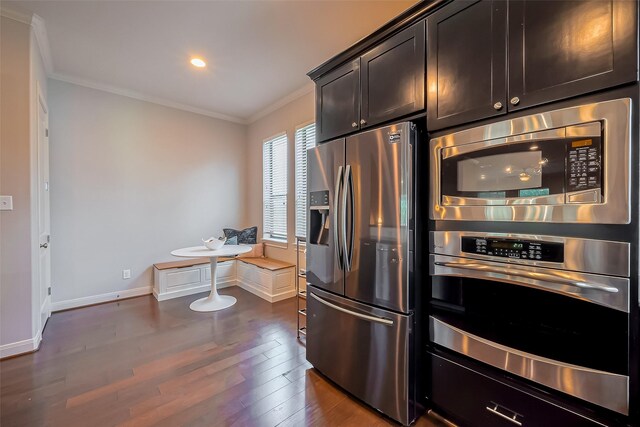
197 62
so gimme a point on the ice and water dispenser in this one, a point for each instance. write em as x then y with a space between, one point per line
319 222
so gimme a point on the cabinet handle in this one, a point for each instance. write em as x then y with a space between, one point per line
363 122
44 245
497 105
354 125
515 100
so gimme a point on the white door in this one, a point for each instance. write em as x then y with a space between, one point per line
44 210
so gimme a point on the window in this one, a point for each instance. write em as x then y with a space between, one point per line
305 139
274 170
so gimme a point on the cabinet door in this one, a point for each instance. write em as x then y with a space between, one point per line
338 101
392 76
559 49
466 63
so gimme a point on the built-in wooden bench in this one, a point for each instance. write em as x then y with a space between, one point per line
270 279
187 263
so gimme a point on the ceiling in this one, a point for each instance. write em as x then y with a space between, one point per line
258 52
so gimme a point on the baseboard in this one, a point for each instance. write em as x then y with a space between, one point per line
190 291
21 347
97 299
264 295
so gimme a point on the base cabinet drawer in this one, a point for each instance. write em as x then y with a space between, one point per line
471 399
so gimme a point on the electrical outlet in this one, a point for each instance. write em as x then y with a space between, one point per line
126 274
6 203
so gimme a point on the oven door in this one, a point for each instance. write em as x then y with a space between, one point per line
575 162
527 325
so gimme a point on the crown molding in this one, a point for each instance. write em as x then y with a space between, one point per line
39 32
16 15
282 102
144 97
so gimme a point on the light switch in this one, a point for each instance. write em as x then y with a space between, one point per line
6 203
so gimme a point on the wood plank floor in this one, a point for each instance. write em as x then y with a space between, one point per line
138 362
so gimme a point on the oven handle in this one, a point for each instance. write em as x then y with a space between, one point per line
527 274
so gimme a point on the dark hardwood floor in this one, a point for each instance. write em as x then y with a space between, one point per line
138 362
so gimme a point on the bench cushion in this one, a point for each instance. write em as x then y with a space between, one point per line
267 263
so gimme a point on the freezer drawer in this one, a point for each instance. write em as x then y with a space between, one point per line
367 351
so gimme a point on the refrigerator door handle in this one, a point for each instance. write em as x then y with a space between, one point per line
375 319
353 218
336 218
347 191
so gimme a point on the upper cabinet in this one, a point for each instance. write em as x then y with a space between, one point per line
384 83
559 49
556 50
393 77
466 63
338 101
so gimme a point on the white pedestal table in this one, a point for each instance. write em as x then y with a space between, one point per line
214 301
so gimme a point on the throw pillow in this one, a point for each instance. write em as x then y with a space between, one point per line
257 251
232 240
248 236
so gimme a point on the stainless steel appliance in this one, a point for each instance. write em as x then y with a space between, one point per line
552 310
360 305
565 166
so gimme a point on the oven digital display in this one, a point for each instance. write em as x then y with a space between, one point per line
534 250
506 245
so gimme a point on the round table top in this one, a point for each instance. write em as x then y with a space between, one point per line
203 251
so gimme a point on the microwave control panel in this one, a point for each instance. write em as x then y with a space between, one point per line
584 161
534 250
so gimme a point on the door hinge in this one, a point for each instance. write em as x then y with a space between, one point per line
46 132
49 290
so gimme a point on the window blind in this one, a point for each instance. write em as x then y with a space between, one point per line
274 169
305 139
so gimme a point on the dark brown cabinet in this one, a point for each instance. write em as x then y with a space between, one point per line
392 77
466 63
385 83
559 49
556 49
338 101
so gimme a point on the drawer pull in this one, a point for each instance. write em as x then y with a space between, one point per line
495 411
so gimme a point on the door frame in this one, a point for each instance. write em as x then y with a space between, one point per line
41 306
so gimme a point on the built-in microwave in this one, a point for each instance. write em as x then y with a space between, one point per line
565 166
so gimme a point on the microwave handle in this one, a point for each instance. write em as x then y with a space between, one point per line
527 274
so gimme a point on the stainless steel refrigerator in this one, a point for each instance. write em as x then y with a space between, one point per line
360 300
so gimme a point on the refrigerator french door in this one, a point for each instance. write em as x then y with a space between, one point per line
360 308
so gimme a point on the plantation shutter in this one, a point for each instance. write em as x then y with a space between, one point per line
274 162
305 139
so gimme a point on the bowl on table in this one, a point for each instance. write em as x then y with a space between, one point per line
214 243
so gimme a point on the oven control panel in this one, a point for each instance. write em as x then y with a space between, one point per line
534 250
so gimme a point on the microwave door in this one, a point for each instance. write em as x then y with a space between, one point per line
325 173
377 208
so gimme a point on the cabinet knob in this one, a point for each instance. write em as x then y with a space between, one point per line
497 105
354 125
363 122
515 100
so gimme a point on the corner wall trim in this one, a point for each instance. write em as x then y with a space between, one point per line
20 347
97 299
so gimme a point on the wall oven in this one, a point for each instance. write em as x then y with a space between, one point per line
565 166
551 310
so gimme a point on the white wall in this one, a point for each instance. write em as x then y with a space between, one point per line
131 181
21 70
15 227
285 119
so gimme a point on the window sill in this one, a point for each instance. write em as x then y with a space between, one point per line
275 243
